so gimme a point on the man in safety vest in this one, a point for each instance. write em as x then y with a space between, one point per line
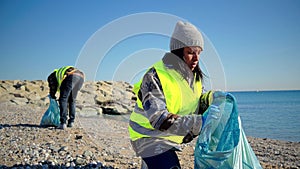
168 110
68 81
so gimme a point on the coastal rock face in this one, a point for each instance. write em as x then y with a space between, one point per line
24 92
94 97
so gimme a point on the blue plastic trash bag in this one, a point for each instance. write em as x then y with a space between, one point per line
52 115
222 142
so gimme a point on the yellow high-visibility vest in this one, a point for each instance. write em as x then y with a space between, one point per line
60 74
180 98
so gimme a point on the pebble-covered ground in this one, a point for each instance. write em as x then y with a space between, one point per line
98 142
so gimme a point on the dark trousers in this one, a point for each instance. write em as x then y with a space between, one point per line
67 100
166 160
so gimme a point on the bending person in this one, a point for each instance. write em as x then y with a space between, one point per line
68 81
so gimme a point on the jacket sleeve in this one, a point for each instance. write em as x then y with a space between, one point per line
154 105
53 84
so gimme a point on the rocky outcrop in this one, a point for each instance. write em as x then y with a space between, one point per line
98 97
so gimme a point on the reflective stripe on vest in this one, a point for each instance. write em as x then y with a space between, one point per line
60 74
180 100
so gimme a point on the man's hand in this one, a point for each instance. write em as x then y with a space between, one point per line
195 130
188 138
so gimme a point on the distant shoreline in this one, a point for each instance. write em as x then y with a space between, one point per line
234 91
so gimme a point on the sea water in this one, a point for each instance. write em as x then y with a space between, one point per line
270 114
264 114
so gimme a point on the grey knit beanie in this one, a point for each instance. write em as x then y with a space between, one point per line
185 34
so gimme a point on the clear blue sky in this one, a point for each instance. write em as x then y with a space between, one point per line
257 42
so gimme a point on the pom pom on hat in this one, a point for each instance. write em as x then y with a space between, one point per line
185 34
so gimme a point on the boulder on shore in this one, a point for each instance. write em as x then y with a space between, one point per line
98 97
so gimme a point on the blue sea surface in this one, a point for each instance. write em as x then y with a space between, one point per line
270 114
